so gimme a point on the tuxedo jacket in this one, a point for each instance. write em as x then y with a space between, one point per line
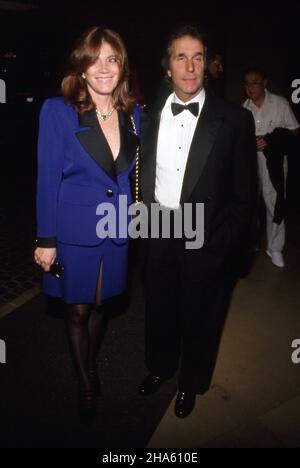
76 173
221 172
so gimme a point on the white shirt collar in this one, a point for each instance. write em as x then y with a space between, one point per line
199 98
268 98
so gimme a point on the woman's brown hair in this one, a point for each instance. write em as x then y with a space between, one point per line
85 54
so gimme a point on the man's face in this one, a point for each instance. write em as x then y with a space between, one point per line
254 86
186 67
215 67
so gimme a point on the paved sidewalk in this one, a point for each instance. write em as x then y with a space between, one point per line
255 398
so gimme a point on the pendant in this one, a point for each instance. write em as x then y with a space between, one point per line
104 116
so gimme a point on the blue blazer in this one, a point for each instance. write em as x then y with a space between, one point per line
75 175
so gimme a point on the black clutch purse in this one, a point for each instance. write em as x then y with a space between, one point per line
56 269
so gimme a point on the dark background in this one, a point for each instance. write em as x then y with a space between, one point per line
247 34
35 39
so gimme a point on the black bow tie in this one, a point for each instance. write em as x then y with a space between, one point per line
193 107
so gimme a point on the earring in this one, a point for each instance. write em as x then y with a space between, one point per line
83 76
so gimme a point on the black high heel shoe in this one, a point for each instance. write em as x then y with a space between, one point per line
86 404
95 380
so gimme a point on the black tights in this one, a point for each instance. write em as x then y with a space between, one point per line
86 328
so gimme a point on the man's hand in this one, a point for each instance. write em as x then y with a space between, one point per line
44 257
261 143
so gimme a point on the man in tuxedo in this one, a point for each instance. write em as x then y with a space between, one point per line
195 148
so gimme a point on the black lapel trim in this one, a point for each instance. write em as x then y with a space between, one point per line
209 122
94 142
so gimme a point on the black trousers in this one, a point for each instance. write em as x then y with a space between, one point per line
184 319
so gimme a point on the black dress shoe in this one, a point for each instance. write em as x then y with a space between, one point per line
184 404
150 384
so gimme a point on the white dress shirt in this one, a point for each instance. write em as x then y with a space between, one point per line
275 112
173 146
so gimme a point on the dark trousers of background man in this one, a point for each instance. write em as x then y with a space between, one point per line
184 319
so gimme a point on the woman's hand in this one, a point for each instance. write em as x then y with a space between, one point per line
44 257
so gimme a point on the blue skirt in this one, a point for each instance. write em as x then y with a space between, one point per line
79 280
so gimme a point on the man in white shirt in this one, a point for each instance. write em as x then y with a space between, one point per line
269 111
174 137
195 149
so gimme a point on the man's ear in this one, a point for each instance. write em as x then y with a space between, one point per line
169 74
265 82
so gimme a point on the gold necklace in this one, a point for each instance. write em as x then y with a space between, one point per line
137 166
104 116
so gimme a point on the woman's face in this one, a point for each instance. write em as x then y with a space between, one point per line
103 76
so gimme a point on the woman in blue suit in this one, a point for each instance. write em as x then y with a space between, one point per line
86 156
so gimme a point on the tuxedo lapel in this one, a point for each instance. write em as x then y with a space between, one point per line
149 139
129 144
205 134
